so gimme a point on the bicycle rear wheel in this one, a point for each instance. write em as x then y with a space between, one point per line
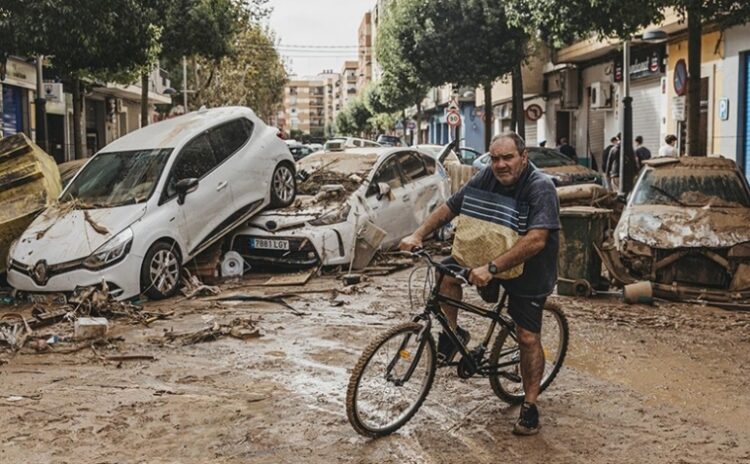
382 396
507 383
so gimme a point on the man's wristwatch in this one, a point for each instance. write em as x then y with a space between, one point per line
492 268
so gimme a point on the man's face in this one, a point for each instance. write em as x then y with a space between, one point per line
507 163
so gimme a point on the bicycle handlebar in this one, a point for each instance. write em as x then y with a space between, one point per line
462 273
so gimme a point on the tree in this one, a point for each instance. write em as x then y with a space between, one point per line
354 119
253 75
194 28
467 42
99 40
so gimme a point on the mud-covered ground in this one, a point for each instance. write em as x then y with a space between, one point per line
658 384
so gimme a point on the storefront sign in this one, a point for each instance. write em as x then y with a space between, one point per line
678 108
641 65
724 109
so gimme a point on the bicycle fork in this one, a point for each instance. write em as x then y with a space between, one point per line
403 352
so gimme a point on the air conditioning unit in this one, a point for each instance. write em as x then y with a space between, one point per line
601 95
569 87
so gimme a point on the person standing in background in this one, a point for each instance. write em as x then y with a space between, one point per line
567 150
641 153
668 149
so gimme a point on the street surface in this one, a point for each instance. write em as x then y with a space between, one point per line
658 384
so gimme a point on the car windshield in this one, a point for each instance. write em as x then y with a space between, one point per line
548 158
117 178
685 187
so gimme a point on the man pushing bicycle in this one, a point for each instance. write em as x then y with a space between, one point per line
507 234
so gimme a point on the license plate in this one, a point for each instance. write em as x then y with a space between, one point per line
269 244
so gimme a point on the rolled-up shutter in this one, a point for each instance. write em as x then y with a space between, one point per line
647 113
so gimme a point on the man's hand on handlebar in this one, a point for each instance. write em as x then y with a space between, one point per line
480 276
410 243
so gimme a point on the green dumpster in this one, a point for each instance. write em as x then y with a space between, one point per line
578 262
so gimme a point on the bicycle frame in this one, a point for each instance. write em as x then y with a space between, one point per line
433 309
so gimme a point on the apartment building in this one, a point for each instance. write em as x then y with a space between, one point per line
364 65
304 106
348 79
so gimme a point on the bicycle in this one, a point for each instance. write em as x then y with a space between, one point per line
403 355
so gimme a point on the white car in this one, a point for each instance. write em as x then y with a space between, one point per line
393 188
151 201
342 143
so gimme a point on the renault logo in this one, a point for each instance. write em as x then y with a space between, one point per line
40 272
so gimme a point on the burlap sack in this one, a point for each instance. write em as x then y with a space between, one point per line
478 242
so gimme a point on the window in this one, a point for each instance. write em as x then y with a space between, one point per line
388 173
357 142
194 161
412 166
429 164
227 138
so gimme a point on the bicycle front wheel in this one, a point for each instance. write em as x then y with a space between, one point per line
391 380
505 356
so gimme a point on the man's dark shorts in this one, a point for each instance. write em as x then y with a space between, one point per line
526 312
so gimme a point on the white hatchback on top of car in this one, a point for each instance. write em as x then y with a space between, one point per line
151 201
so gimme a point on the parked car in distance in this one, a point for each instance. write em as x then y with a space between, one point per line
299 151
389 140
151 201
392 189
342 143
315 146
561 169
685 226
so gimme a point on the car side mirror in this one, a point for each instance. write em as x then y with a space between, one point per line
383 190
185 186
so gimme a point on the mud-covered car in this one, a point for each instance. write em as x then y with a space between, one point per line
151 201
685 228
561 169
348 201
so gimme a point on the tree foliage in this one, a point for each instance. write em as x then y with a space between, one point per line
354 119
469 42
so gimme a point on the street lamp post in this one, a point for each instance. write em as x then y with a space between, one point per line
40 104
627 157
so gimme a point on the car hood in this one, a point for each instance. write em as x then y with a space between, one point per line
571 174
63 233
304 209
662 226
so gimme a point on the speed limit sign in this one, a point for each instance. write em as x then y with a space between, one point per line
453 118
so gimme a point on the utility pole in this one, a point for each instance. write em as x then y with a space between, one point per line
40 106
184 83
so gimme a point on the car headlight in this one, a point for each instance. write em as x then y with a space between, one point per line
334 216
112 251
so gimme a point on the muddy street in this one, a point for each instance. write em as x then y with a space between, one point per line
664 383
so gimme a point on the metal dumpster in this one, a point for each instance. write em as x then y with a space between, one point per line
579 264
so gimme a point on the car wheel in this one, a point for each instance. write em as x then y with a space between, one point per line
161 270
283 186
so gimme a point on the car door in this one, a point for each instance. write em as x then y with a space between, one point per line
421 189
235 155
389 211
211 203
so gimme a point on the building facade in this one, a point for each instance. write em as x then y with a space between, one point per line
365 49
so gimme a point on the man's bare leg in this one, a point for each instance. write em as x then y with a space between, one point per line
532 362
451 288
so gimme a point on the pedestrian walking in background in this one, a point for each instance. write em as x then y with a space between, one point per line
668 149
641 152
605 154
612 170
567 150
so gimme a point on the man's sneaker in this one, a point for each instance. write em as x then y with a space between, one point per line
528 421
446 349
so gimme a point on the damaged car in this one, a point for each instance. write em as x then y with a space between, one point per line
151 201
350 204
685 229
559 168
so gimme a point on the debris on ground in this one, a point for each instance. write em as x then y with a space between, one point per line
242 329
298 278
14 330
278 299
193 287
90 327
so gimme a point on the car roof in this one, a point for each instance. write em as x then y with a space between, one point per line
174 132
691 162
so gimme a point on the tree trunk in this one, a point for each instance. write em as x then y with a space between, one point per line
79 142
418 118
694 80
144 99
487 115
518 111
403 118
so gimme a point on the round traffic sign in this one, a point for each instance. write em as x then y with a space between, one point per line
534 112
453 118
680 77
